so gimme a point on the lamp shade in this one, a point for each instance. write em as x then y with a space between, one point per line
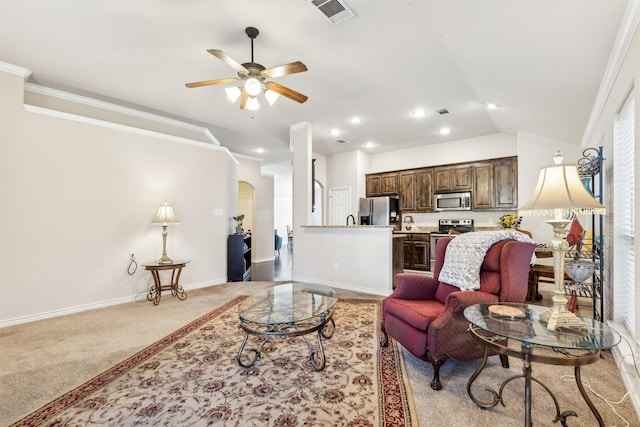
560 190
233 93
165 215
252 104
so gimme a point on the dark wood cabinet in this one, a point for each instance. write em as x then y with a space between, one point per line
416 251
424 190
389 184
381 184
493 184
483 190
373 185
238 258
453 178
407 190
506 183
416 190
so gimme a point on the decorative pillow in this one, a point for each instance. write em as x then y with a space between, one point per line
575 232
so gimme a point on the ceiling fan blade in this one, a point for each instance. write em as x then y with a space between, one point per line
227 60
243 100
211 82
285 91
283 70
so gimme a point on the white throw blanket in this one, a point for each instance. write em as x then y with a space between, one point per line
465 254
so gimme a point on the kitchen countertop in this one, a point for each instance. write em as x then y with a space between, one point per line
418 230
347 226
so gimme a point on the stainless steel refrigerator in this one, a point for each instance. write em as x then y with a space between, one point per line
379 211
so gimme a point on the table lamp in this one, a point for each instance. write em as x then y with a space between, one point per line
560 192
164 217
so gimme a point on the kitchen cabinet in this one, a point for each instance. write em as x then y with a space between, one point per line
381 184
453 178
495 184
416 190
373 185
416 251
506 183
424 190
407 190
483 189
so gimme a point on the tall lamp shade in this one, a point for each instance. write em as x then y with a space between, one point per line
164 217
560 193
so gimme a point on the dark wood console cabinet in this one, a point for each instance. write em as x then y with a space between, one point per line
238 258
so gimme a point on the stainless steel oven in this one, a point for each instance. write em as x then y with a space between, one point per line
444 226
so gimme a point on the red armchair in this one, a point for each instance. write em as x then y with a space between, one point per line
426 315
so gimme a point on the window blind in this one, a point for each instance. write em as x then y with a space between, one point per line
623 206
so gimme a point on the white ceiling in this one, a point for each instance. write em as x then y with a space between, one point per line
541 61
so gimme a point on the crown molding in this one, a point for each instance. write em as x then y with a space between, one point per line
626 32
108 106
15 70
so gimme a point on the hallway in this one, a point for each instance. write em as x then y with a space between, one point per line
279 270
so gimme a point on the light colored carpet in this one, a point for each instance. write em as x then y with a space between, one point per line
191 378
41 360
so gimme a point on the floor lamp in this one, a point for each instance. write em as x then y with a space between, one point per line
560 192
164 217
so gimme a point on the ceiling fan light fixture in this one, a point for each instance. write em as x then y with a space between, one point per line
271 96
233 93
252 104
252 86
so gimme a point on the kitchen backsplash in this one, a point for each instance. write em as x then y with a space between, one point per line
480 219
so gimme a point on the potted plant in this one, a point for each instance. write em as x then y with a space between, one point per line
238 220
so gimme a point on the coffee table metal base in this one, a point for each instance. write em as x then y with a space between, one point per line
325 327
561 358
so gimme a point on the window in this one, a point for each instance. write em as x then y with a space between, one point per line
623 206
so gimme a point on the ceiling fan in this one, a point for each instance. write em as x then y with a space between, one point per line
254 78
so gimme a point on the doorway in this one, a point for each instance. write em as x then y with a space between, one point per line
317 217
245 205
339 205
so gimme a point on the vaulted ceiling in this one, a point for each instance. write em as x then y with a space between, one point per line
541 61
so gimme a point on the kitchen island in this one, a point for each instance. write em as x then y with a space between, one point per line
355 257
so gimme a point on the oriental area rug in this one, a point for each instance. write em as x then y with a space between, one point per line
192 378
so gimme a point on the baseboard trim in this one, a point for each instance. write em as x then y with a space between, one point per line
96 305
345 286
623 357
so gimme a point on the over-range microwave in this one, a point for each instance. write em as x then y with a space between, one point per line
452 201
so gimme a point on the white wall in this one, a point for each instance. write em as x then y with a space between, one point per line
458 151
624 77
535 152
76 197
262 240
343 172
283 196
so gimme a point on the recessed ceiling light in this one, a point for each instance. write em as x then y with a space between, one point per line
492 106
445 131
335 132
355 120
370 144
259 150
418 113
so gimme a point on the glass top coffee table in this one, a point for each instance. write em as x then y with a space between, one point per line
491 324
288 310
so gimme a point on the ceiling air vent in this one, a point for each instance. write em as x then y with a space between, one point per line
334 10
443 111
